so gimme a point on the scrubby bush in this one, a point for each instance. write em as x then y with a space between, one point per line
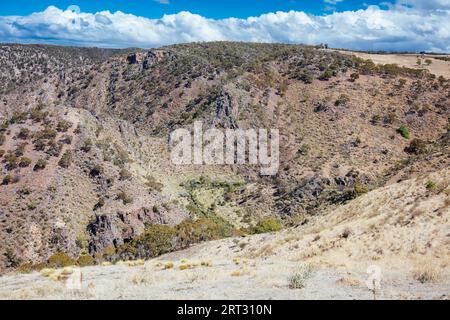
18 117
96 170
360 189
156 240
60 260
430 185
404 132
23 134
269 224
7 179
40 165
2 139
87 145
47 133
354 77
417 147
85 261
190 232
24 162
100 203
54 148
66 159
63 125
126 199
153 184
11 161
124 174
342 100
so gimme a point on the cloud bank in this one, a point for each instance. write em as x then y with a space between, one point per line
400 28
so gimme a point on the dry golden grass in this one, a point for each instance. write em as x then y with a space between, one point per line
427 272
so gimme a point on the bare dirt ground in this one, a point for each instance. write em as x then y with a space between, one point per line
437 67
402 229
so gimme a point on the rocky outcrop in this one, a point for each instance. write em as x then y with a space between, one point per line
113 230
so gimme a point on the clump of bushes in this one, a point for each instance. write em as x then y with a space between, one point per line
60 260
85 261
404 132
2 139
18 117
270 224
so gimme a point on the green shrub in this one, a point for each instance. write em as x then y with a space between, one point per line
404 132
60 260
11 161
326 75
360 189
156 240
24 162
85 261
38 115
430 185
7 179
66 159
190 232
269 224
40 165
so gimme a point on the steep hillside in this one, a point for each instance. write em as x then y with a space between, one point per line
403 229
85 158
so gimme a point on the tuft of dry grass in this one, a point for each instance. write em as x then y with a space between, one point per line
426 272
298 279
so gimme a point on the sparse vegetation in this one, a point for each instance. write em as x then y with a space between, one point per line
269 224
40 165
66 159
404 132
298 279
124 197
60 260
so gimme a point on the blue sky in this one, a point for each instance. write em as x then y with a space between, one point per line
390 25
216 9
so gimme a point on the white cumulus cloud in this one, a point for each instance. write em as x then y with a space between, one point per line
399 28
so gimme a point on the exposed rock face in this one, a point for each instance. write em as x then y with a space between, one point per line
113 230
